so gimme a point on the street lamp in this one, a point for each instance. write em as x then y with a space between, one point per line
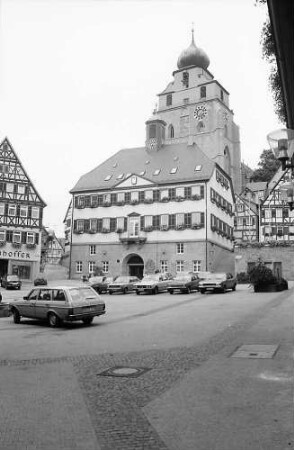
282 144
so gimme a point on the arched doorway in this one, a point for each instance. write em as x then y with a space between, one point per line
134 265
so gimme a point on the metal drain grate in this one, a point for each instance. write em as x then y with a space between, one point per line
255 351
122 371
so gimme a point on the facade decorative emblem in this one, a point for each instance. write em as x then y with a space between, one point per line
152 144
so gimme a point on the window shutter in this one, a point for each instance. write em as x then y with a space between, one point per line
86 225
76 201
6 209
75 225
142 222
23 237
125 223
29 211
286 230
36 238
202 191
202 218
274 230
18 210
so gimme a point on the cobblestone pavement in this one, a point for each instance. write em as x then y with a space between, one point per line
67 403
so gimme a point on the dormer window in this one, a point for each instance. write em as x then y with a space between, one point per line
185 79
173 170
157 172
107 178
120 176
203 92
169 100
198 168
142 173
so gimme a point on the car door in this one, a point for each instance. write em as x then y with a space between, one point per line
59 303
27 307
229 281
43 303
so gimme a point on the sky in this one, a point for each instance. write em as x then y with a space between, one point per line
79 78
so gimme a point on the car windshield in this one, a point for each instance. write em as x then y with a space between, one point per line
108 280
122 280
96 279
83 294
218 276
183 277
151 278
204 275
12 278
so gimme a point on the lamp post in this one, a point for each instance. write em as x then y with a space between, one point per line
282 144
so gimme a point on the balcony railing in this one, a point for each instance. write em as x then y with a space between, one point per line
128 238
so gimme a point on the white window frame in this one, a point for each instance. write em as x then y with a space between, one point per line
92 249
195 218
2 209
134 196
164 194
164 220
180 219
120 223
106 198
105 266
164 265
180 192
23 211
195 190
148 195
148 221
35 212
21 188
180 248
196 265
106 223
2 235
16 237
179 265
10 187
79 266
80 225
30 238
91 266
11 210
267 214
121 197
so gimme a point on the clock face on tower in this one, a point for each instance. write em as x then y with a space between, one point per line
200 112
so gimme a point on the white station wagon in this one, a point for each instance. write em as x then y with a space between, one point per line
59 304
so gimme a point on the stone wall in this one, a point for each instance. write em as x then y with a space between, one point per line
268 254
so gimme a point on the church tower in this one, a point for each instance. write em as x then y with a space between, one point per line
195 108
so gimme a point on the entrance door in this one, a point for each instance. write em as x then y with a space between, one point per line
136 266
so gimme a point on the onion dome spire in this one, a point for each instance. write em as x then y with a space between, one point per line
193 56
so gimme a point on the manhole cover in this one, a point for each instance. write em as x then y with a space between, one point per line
122 371
255 351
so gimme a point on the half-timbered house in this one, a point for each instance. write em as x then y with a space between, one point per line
21 212
246 221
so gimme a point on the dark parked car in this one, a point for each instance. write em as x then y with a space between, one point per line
218 282
123 284
59 304
40 281
11 282
101 283
184 282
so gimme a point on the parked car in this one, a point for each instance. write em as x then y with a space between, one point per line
123 284
218 282
11 282
100 284
154 283
40 281
59 304
184 282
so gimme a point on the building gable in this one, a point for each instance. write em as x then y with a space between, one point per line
133 181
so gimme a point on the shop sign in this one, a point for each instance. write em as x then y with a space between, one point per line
18 254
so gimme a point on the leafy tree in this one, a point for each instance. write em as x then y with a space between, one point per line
261 274
269 53
267 166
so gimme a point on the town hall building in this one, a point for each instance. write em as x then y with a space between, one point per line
168 205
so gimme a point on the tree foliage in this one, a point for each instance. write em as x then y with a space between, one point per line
269 53
267 166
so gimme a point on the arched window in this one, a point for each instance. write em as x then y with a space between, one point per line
171 132
200 127
227 160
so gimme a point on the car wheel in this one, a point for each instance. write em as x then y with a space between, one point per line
53 320
171 291
110 292
155 290
137 292
202 291
125 291
16 316
88 320
222 290
188 290
234 288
